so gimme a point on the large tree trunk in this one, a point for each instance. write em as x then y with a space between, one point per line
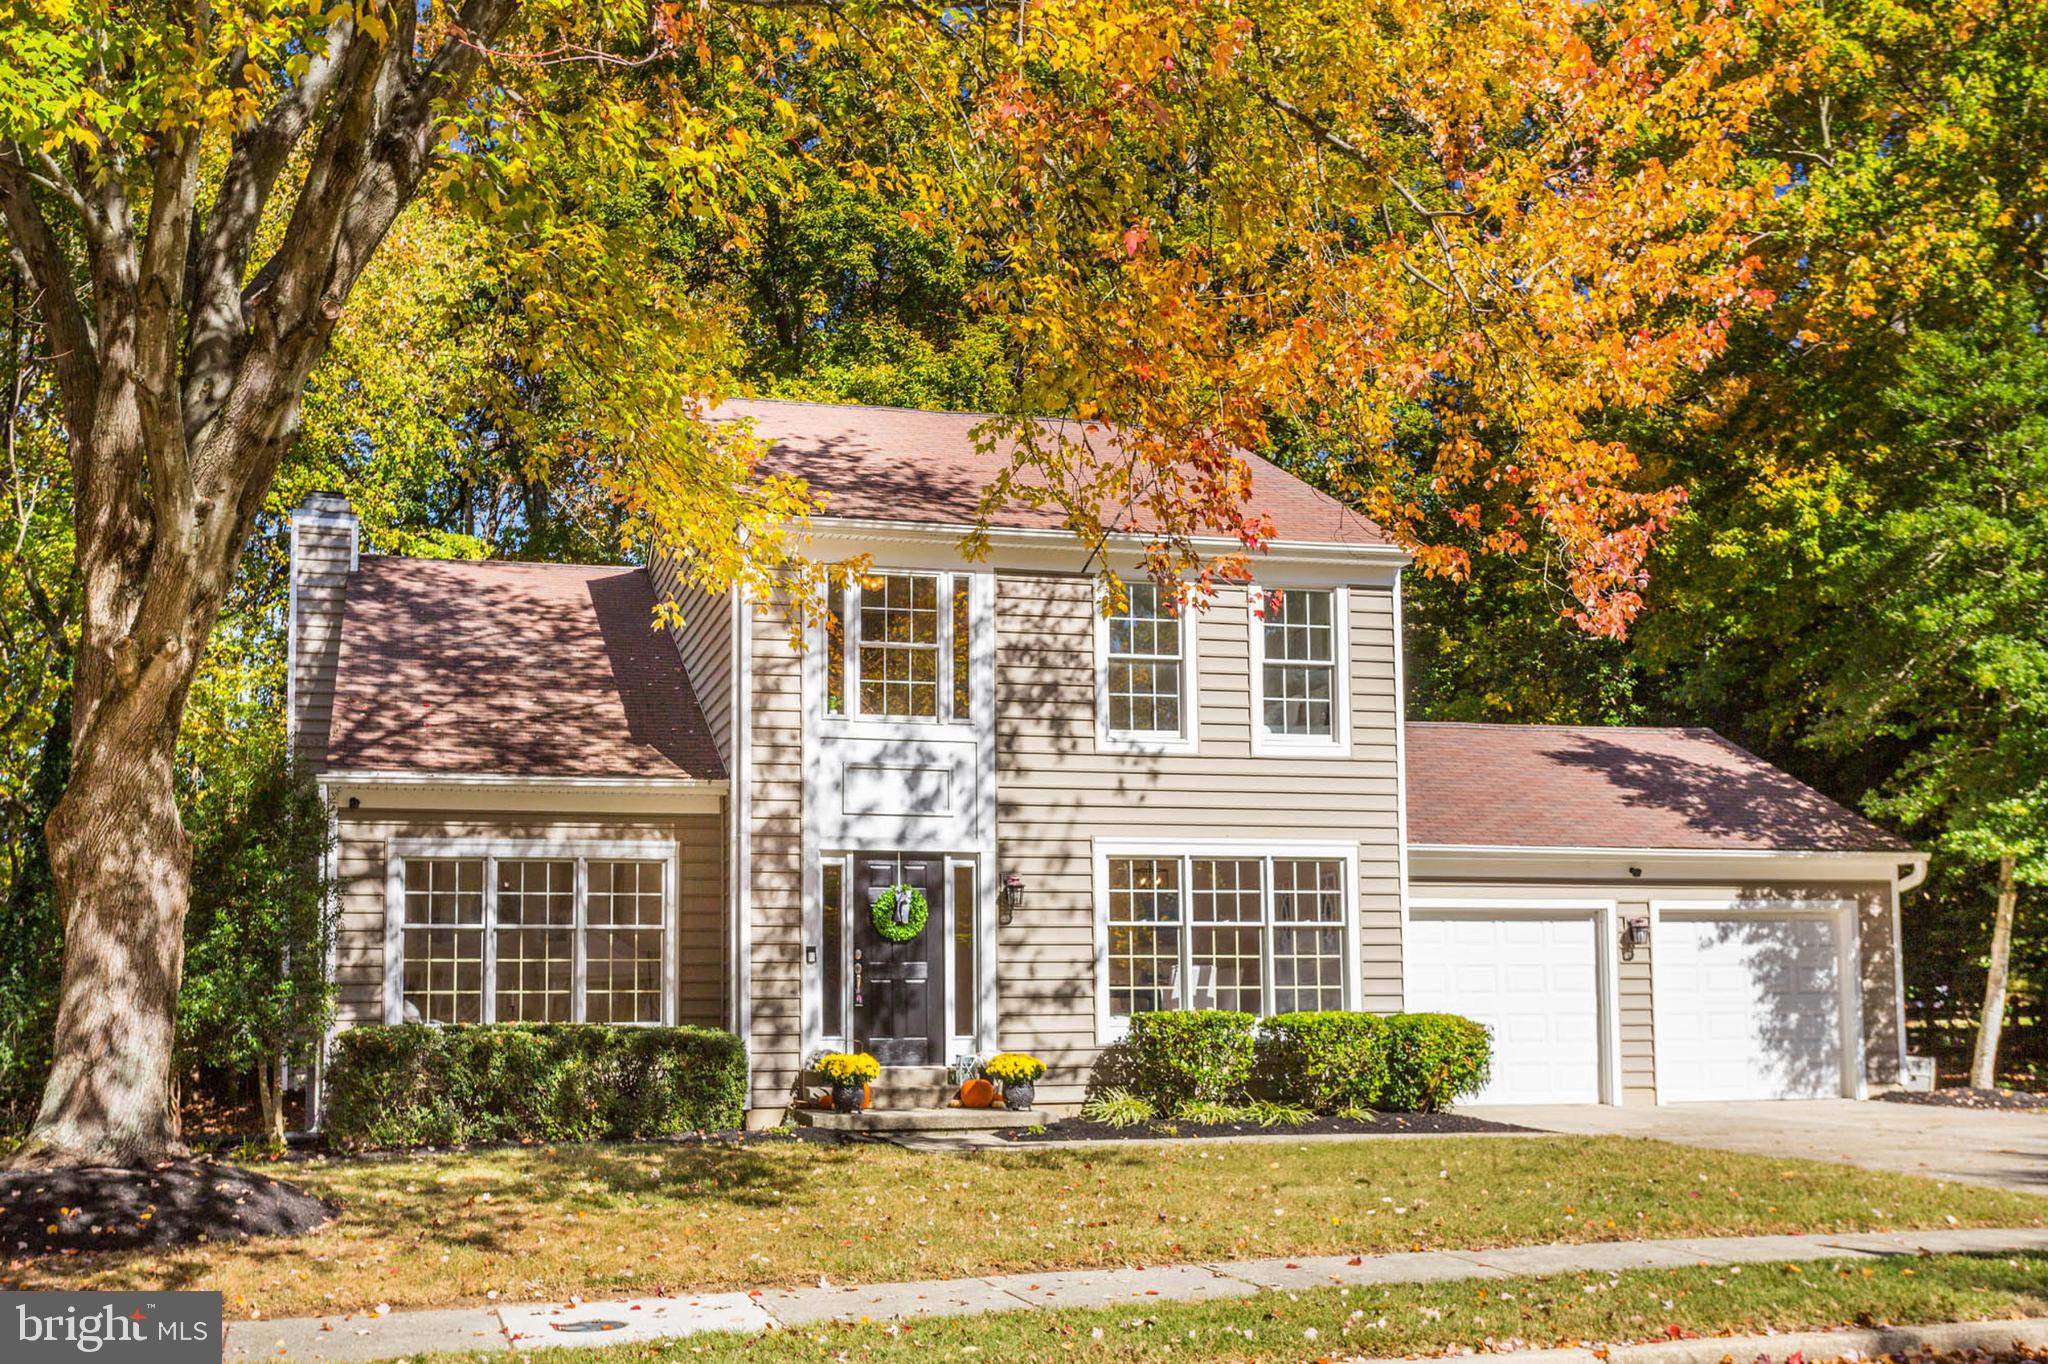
123 868
1984 1064
180 387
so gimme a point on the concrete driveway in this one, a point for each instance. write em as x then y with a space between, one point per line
2005 1150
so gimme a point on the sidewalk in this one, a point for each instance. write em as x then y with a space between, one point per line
640 1320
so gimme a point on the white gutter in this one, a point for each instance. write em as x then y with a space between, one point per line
516 780
1598 850
1027 538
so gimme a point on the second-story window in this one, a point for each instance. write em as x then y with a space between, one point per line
1299 678
1144 677
898 649
901 641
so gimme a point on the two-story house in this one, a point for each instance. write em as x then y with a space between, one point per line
549 809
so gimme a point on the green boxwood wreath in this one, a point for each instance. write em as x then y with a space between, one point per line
884 914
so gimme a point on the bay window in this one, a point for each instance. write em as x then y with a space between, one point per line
1262 932
512 934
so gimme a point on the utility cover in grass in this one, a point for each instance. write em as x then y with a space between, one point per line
177 1203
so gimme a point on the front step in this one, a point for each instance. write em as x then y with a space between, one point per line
917 1087
917 1119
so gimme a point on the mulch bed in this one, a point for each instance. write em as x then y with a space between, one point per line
1962 1096
1386 1125
177 1203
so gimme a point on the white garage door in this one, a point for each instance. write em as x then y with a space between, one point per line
1747 1008
1534 981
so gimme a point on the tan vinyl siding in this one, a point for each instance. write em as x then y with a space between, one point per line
1637 978
1057 792
775 857
704 640
360 865
320 567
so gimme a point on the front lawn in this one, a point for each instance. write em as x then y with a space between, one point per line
609 1221
1411 1319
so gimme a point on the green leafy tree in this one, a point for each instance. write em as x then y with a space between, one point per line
256 994
1938 593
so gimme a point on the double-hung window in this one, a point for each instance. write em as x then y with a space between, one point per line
1298 670
1145 673
902 641
542 936
1264 932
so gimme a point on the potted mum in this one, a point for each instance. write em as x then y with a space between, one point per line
1018 1074
849 1074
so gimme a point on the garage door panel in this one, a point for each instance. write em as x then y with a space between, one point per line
1748 1007
1533 980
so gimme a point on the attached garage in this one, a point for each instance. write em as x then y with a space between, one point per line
1650 916
1751 1002
1535 974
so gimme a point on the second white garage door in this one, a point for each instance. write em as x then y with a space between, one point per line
1534 980
1748 1007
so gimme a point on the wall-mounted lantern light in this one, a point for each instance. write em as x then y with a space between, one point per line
1635 932
1013 895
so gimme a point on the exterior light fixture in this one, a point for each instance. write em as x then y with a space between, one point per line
1013 895
1635 932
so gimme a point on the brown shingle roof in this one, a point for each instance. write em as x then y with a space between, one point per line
897 464
511 668
1552 786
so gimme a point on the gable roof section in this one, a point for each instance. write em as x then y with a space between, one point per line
1559 786
517 669
904 465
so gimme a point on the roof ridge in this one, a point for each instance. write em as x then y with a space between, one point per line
873 407
502 563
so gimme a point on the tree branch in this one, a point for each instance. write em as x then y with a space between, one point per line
68 332
214 296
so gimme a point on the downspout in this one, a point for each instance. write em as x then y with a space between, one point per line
1915 874
740 804
316 1089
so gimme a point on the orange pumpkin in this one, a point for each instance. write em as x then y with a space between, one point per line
977 1094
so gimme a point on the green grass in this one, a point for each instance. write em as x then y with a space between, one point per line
1410 1319
615 1221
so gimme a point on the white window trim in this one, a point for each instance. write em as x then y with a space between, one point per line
582 851
1188 740
1109 1030
1338 745
1606 916
1855 1079
851 723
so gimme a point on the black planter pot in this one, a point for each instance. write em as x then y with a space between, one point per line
1017 1096
849 1098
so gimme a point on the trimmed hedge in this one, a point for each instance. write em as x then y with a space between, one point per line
418 1085
1325 1060
1183 1056
1434 1060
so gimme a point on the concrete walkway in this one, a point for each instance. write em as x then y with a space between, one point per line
1969 1146
640 1320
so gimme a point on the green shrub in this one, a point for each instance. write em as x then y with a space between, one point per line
416 1085
1324 1061
1182 1056
1433 1060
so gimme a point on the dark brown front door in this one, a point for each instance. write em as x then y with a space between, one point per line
899 987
